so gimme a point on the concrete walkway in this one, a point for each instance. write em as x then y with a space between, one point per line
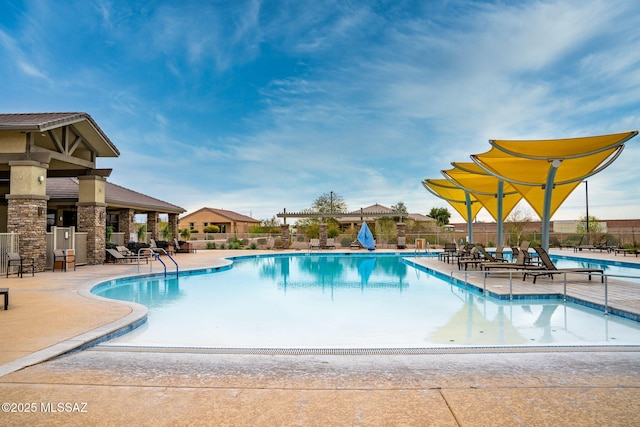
50 314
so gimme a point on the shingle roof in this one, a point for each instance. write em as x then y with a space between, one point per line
39 120
68 188
46 121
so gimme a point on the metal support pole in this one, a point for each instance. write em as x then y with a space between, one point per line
548 192
467 199
500 197
606 295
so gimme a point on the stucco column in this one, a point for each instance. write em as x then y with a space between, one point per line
125 223
92 216
401 229
27 209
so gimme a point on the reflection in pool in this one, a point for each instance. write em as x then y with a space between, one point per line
324 301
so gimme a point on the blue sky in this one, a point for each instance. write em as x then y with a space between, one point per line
256 106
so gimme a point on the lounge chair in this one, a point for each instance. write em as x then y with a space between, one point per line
402 242
514 253
314 244
478 256
449 251
124 251
488 257
331 244
474 258
551 269
520 264
625 251
14 259
118 257
184 248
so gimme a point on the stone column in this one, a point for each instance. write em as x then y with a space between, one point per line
323 235
285 235
27 209
173 226
125 223
92 216
401 229
152 225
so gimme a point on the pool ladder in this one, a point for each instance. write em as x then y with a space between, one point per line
155 253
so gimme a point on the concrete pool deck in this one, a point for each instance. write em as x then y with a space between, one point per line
48 315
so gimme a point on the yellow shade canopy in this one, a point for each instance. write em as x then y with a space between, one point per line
471 177
563 148
528 165
455 196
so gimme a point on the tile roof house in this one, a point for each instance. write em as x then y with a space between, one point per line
228 221
369 214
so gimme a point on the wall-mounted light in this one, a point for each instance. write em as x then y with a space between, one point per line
40 211
41 179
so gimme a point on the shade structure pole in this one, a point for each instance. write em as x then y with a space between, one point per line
546 209
500 197
467 199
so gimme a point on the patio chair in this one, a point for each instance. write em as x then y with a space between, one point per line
551 269
314 244
402 242
14 259
331 244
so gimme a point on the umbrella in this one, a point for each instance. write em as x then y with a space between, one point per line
365 237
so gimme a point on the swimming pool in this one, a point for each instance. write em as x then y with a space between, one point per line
357 301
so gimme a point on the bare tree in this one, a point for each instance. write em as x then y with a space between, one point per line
516 223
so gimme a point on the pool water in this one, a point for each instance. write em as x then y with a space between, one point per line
324 301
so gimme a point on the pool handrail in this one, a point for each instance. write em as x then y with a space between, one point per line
154 254
564 273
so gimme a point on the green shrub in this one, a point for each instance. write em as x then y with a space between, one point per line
345 242
212 229
253 245
211 245
333 232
